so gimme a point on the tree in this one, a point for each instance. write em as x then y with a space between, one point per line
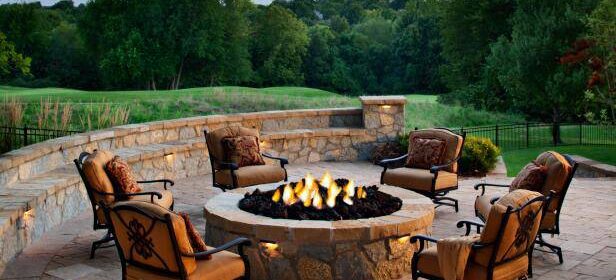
527 64
279 45
417 50
602 82
319 61
12 63
467 29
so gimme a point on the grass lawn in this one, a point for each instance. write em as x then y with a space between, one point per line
517 159
422 110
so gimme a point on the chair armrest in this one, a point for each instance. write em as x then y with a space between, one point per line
422 240
228 165
240 242
469 224
151 194
164 181
386 162
437 168
483 186
125 195
283 161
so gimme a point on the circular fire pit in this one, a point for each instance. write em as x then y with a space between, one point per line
373 248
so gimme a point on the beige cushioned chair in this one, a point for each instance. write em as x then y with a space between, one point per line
560 171
502 251
227 175
101 188
153 244
434 182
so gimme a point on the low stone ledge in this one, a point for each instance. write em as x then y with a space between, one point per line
383 100
588 168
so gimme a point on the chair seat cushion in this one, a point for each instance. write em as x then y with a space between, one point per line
513 269
223 265
252 175
419 179
483 206
428 262
166 201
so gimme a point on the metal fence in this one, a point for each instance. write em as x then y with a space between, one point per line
529 135
16 137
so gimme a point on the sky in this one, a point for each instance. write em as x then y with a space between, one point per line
77 2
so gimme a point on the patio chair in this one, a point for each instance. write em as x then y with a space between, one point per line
153 243
431 165
102 188
227 174
502 251
560 171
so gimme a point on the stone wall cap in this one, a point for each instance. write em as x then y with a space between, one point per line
383 100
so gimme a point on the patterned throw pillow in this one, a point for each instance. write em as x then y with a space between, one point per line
424 153
242 150
196 242
122 175
532 177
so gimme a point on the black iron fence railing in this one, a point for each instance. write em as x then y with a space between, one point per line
529 135
16 137
507 137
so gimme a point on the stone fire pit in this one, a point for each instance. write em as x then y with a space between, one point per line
374 248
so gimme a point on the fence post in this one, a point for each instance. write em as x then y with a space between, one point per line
580 134
25 135
527 135
496 137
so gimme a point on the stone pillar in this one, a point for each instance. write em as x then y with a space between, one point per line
383 116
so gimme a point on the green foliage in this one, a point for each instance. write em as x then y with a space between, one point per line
12 63
535 82
479 156
467 29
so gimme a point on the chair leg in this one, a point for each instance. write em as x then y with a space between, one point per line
439 201
553 248
530 261
101 243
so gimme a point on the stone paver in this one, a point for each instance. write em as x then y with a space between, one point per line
588 225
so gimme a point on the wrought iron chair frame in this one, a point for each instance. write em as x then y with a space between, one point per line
181 274
231 166
553 249
492 263
438 196
97 224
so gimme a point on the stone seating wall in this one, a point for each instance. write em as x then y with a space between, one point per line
40 187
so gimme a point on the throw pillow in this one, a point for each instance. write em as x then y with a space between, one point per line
194 237
122 175
424 153
531 177
242 150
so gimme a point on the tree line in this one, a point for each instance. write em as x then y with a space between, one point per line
551 60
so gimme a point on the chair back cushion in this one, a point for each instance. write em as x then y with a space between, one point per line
143 234
242 150
558 172
121 174
214 140
424 153
531 177
519 231
453 144
94 170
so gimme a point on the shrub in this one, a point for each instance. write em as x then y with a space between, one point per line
479 156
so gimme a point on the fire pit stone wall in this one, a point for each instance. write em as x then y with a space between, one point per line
374 248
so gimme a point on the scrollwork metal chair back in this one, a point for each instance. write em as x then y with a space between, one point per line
519 227
146 240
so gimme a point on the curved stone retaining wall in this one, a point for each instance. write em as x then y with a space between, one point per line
40 188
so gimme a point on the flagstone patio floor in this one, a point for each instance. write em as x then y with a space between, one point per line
588 225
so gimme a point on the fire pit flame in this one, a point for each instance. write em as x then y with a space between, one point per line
324 199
